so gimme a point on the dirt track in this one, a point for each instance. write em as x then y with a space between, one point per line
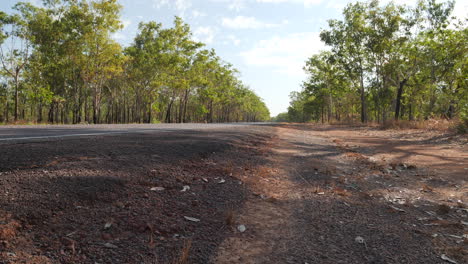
304 197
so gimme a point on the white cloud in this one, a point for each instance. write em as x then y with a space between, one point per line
306 3
285 54
232 39
236 5
180 5
204 34
460 10
242 22
241 4
119 36
160 3
197 14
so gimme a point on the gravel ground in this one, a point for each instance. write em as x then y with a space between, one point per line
179 196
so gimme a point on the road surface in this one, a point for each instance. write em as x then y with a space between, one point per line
33 132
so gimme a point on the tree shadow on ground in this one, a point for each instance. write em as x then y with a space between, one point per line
339 203
84 193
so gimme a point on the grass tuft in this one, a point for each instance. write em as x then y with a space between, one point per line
185 253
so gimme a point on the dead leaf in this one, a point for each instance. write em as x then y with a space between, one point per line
444 257
397 209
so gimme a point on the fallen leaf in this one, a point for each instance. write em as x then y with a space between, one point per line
222 181
157 189
185 188
444 257
397 209
72 233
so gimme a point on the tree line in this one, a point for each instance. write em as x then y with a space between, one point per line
60 64
387 62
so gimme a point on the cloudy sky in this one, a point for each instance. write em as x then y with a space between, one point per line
267 40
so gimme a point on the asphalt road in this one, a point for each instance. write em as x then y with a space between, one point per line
25 133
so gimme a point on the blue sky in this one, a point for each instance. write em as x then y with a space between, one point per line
267 40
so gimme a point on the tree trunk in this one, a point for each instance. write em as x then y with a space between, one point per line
184 115
363 100
168 113
16 98
398 98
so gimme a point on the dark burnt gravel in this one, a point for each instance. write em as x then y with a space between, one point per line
57 196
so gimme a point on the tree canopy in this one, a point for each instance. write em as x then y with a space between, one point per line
387 62
60 64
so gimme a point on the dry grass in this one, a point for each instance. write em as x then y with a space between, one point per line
341 192
229 220
454 125
263 172
184 254
228 168
431 124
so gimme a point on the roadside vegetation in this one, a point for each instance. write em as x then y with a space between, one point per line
60 64
387 63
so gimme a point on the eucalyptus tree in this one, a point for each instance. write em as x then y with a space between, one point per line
347 39
71 70
15 50
409 61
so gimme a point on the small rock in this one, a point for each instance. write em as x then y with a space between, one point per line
359 240
222 181
241 228
157 189
108 225
109 245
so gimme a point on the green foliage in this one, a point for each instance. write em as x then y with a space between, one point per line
70 70
388 61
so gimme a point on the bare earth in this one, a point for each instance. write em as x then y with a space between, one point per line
305 194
